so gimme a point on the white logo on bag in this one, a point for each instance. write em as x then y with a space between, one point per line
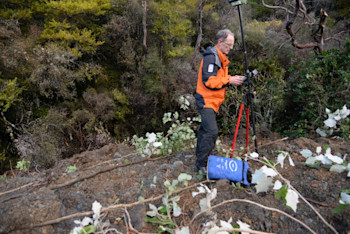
233 166
211 68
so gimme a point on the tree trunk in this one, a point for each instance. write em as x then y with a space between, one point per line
199 37
144 26
318 35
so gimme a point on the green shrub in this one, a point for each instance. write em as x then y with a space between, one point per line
316 84
268 87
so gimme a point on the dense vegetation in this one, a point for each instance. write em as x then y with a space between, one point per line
77 74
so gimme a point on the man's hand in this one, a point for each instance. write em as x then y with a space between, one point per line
236 80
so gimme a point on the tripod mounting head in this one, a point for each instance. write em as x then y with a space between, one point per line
250 74
237 2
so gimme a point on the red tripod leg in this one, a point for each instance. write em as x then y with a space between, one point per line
247 130
237 127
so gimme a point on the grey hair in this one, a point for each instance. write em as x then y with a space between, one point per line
223 34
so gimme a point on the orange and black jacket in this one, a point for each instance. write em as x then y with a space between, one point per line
213 79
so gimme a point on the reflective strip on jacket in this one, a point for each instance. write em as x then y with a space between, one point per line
213 79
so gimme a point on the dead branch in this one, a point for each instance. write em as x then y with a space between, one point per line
254 203
112 207
336 36
318 35
109 161
317 202
16 189
70 182
236 230
277 7
273 142
128 222
299 194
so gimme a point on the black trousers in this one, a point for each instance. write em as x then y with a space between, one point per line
206 136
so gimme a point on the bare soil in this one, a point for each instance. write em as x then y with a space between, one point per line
124 183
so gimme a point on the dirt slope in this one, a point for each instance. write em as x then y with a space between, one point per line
118 178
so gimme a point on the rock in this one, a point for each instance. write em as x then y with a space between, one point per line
164 166
30 208
177 168
137 215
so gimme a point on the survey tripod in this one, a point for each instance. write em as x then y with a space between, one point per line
248 96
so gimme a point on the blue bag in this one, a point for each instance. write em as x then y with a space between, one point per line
227 168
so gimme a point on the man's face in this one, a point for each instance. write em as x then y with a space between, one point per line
226 45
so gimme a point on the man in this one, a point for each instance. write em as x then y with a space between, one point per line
213 80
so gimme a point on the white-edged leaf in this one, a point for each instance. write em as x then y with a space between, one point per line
335 159
151 137
291 162
312 162
157 144
152 207
183 230
292 199
258 176
277 185
331 123
96 208
269 171
86 221
321 132
176 198
306 153
225 224
184 176
212 195
318 149
254 155
77 230
337 168
344 112
323 159
280 159
264 185
243 226
77 222
151 213
176 209
345 197
203 204
216 229
167 183
200 190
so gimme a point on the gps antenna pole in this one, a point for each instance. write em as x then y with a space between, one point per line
249 94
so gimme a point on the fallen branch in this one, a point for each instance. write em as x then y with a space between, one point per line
299 194
236 230
113 207
109 161
273 142
254 203
70 182
16 189
317 202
